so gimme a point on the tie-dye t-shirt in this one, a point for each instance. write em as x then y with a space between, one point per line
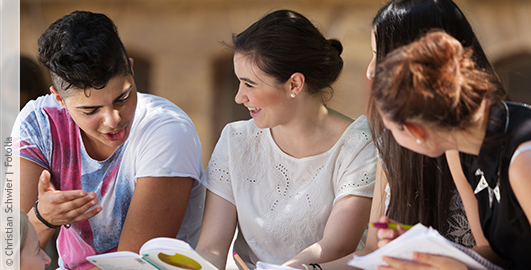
163 142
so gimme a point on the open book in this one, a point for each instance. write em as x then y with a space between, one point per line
268 266
159 253
425 240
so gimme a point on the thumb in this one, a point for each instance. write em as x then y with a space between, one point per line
44 182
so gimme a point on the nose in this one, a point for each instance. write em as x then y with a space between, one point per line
371 69
112 118
45 258
241 96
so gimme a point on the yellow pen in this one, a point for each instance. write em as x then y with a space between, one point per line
392 226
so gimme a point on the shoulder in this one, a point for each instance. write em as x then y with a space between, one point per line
241 128
153 111
358 131
41 115
40 105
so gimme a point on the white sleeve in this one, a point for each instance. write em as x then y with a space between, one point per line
217 177
357 172
169 148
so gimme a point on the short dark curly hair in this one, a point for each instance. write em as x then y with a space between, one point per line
82 50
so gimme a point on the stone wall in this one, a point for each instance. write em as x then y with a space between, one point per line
179 41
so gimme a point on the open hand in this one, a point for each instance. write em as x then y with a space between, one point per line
64 207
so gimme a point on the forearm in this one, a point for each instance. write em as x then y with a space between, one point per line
341 263
487 253
216 257
321 252
157 209
219 225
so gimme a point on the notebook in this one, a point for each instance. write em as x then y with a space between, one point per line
426 240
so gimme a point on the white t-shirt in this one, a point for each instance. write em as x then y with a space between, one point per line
283 203
162 143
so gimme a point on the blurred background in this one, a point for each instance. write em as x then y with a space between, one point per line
179 55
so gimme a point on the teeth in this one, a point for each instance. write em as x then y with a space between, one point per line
253 109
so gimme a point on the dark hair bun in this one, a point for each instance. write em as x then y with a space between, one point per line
335 44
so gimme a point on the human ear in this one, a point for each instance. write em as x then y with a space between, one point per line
417 131
296 83
57 96
131 62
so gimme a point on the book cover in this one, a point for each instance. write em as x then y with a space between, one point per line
156 254
425 240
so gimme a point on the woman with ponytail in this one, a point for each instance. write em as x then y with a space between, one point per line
434 97
297 180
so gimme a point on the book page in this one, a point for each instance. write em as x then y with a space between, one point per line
173 254
421 239
122 260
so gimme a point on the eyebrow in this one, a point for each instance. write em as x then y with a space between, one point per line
115 100
248 80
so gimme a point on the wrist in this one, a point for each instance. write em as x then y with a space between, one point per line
43 221
312 266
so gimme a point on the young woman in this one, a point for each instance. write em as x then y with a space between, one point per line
298 178
433 98
424 192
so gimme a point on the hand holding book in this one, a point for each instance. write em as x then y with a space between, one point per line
419 240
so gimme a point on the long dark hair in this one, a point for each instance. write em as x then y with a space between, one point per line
421 187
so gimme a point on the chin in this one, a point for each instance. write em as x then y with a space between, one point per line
433 154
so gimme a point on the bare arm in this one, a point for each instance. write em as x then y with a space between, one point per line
219 224
377 210
157 209
343 231
519 172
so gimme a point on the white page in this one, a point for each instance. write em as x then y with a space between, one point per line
419 239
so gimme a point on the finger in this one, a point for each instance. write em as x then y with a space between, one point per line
400 230
62 197
439 262
396 263
87 215
387 234
384 219
77 202
382 243
44 182
80 206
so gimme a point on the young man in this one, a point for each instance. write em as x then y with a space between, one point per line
113 167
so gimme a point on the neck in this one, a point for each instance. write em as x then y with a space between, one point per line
311 129
470 140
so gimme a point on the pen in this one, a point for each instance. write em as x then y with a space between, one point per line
240 261
392 226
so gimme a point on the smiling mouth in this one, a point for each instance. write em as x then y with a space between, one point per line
254 109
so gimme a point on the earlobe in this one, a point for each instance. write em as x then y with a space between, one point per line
416 131
296 83
57 96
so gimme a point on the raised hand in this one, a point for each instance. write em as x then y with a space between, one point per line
64 207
